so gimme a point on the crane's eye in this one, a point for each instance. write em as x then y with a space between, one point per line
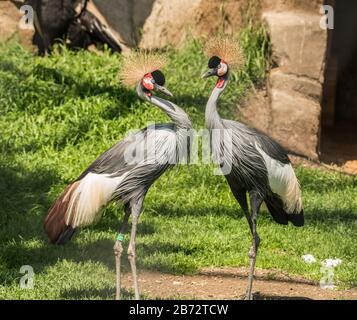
219 66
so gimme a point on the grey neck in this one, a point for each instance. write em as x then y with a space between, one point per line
213 120
176 114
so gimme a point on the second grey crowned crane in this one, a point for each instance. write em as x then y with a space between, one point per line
253 163
126 171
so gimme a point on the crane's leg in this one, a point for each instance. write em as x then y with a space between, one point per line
241 197
118 250
256 201
135 213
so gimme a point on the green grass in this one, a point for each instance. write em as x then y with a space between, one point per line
57 114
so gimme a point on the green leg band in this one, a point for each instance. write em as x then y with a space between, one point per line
120 237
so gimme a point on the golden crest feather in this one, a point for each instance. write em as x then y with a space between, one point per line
227 48
138 64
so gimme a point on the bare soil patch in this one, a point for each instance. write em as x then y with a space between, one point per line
230 283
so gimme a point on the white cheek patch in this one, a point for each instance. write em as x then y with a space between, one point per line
222 70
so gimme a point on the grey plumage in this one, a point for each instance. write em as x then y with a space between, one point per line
253 164
123 173
161 146
249 169
139 176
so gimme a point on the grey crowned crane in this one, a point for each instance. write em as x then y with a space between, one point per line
126 171
254 164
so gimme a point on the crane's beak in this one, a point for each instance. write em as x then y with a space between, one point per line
209 73
163 90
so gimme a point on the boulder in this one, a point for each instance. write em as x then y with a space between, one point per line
295 122
141 11
284 5
298 42
10 16
172 20
291 83
168 23
217 16
255 111
119 14
295 82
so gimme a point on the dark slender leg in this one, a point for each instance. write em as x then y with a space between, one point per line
118 249
255 202
241 197
47 44
135 213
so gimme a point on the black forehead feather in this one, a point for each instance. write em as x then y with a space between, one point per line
158 77
214 62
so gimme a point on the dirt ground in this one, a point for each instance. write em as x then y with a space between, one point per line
230 283
339 147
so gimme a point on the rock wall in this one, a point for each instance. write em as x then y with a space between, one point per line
172 20
292 109
284 5
168 22
295 85
10 16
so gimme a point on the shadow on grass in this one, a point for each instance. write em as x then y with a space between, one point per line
111 221
104 294
66 87
83 89
167 211
259 296
59 89
7 66
17 253
320 218
330 218
277 278
163 247
23 197
125 97
322 182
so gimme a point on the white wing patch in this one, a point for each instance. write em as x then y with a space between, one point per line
96 190
93 192
283 181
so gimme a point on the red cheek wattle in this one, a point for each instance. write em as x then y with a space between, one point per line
220 83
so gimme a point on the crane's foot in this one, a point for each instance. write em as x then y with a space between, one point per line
118 250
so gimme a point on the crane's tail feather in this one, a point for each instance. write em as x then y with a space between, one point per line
79 205
297 219
277 209
55 222
283 183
